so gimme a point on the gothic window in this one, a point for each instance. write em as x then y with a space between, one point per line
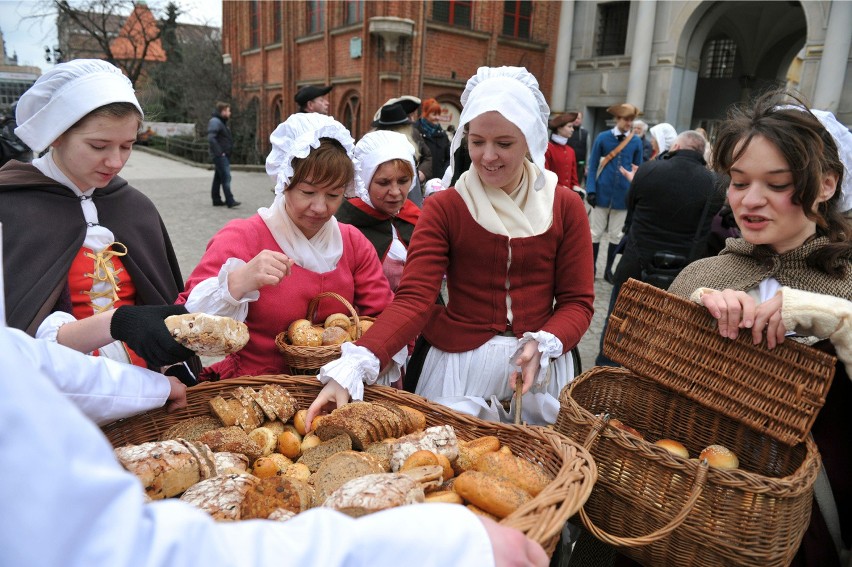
612 27
277 21
516 18
350 115
453 12
354 11
316 16
254 24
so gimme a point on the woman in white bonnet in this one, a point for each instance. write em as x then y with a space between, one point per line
384 174
78 240
265 269
518 257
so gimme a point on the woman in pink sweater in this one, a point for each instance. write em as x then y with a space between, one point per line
265 269
517 252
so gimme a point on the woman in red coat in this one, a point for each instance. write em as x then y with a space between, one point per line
559 157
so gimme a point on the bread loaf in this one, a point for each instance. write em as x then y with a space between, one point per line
438 439
340 468
208 335
520 472
231 439
192 428
363 422
230 463
375 492
314 456
166 468
494 495
221 496
275 493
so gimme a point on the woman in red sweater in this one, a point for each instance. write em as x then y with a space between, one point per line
265 269
517 252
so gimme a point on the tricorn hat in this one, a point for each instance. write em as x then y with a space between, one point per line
561 120
309 93
623 110
392 115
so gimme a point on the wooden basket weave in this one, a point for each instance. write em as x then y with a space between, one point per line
664 510
541 519
307 360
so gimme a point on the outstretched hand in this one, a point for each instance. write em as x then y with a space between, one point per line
143 329
332 396
512 548
529 361
267 268
628 174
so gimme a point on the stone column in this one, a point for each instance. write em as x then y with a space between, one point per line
640 59
559 95
835 55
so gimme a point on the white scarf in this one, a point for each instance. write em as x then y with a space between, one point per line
526 212
319 254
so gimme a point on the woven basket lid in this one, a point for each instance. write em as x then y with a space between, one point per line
677 343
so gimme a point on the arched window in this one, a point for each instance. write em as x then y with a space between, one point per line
351 118
277 111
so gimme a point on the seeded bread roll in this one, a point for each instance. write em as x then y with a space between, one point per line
494 495
191 429
297 324
231 439
720 457
208 335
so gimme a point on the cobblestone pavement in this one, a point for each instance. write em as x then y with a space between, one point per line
181 192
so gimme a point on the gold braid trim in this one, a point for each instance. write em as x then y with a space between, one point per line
104 271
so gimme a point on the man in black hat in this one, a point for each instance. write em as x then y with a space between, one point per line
313 99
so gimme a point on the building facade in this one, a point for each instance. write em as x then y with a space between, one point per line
682 62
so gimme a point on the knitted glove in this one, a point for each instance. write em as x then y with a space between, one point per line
143 329
821 316
592 199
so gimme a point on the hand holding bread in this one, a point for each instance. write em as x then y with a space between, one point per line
267 268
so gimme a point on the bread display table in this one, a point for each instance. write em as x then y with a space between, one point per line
541 519
683 381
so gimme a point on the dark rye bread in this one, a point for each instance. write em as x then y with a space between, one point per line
314 456
191 429
341 468
403 418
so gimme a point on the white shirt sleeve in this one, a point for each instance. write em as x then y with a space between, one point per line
104 390
75 506
49 328
212 296
549 346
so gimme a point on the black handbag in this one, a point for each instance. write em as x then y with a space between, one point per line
665 266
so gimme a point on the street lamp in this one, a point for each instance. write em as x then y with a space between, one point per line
52 55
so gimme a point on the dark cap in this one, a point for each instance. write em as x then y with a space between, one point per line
392 115
561 120
309 93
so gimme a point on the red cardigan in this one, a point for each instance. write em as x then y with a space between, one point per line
551 280
358 277
562 161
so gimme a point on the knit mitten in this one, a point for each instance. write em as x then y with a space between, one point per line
143 329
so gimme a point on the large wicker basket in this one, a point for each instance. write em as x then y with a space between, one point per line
688 383
541 519
307 360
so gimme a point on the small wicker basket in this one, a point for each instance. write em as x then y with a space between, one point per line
541 519
307 360
686 382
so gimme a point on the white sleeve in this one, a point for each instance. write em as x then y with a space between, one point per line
549 346
49 328
212 296
821 316
75 506
103 389
355 366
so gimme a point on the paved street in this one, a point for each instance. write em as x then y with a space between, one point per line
181 192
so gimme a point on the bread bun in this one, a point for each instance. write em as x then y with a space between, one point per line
364 326
673 447
297 324
289 444
337 320
420 459
720 457
306 336
299 421
619 425
335 336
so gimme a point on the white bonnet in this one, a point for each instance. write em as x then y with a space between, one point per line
514 93
843 141
665 135
296 137
374 149
66 94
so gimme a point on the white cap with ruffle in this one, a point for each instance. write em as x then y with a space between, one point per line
295 137
514 93
64 95
374 149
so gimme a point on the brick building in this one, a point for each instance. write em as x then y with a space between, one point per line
375 50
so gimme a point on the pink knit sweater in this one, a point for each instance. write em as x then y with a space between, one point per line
358 277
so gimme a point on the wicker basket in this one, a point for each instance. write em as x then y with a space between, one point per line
688 383
307 360
541 519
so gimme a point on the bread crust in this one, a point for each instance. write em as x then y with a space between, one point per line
208 335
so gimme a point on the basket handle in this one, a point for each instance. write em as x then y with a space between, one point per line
697 488
314 304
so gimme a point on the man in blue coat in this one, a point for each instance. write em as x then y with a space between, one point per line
606 187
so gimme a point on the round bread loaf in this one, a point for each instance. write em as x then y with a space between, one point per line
337 320
673 447
335 336
297 324
306 336
720 457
